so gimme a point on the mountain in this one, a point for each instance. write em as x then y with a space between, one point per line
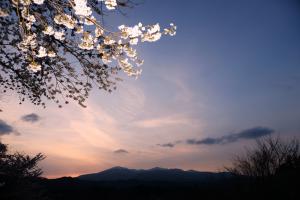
154 174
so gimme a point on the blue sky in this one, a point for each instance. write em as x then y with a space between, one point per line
233 66
241 58
238 59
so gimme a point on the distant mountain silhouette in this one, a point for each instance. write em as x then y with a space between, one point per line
169 184
154 174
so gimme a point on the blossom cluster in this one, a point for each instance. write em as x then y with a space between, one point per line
112 46
3 13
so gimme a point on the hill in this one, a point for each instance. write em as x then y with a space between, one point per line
154 174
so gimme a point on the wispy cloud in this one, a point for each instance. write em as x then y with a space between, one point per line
127 104
178 80
247 134
31 118
163 121
252 133
121 151
5 128
171 145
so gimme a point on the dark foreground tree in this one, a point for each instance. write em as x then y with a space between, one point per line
60 49
18 175
269 157
271 170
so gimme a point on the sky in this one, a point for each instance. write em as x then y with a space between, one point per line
230 75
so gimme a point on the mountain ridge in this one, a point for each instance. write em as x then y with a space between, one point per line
154 174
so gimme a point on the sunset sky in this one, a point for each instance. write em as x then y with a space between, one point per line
229 76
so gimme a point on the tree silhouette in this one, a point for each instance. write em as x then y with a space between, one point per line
18 173
270 157
59 49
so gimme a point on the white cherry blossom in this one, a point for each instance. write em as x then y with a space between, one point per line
3 13
35 67
49 30
99 32
110 4
39 2
81 8
42 52
87 42
25 2
65 20
51 54
59 35
112 46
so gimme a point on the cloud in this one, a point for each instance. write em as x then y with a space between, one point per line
121 151
179 81
163 121
171 145
31 118
5 129
247 134
252 133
